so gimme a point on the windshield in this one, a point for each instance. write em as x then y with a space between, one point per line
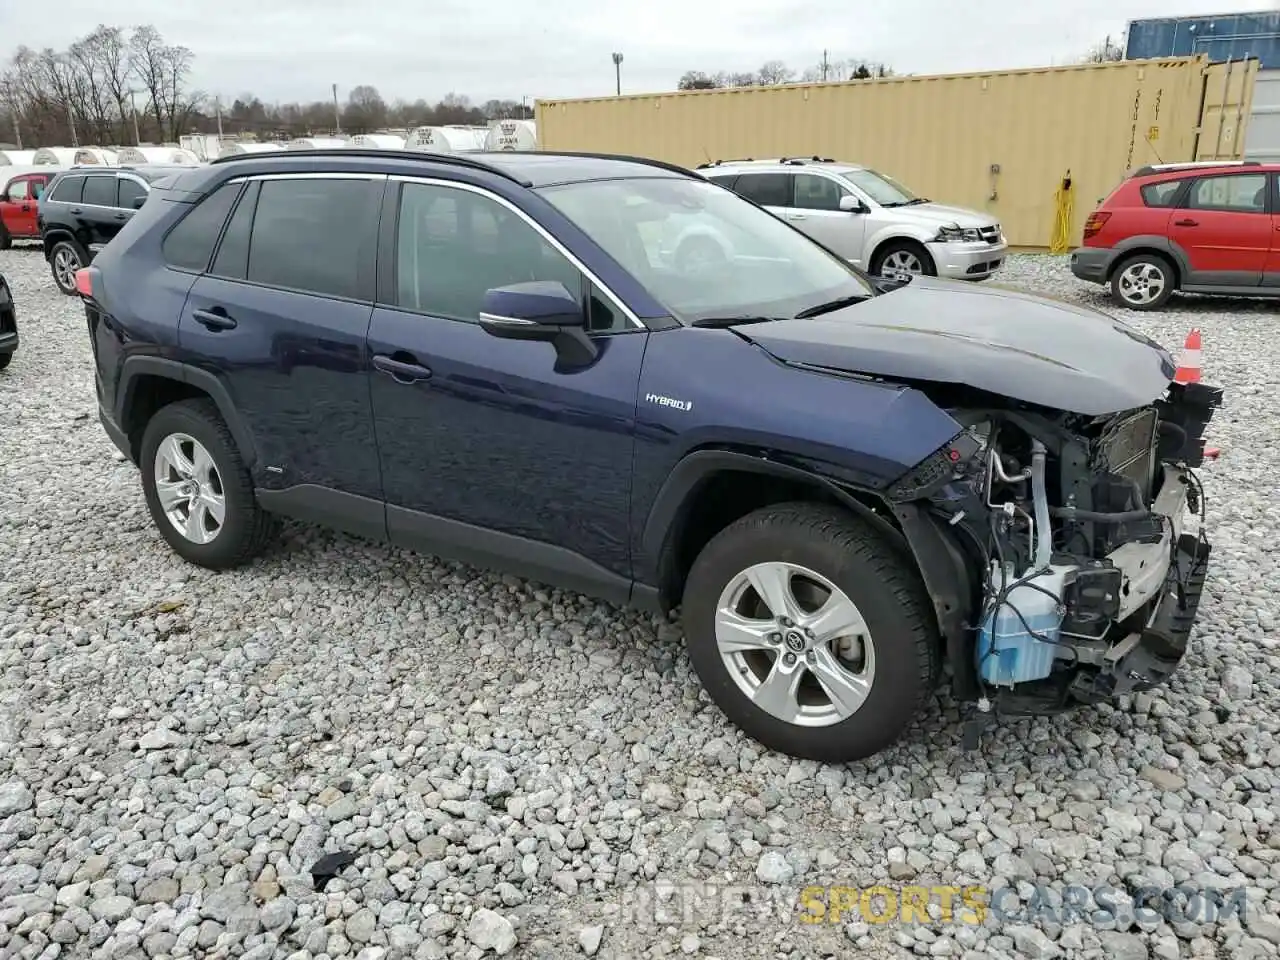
703 251
883 189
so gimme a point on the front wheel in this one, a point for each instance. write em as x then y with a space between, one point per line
902 260
64 260
810 632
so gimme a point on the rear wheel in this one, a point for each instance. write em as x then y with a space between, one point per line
198 489
903 259
5 360
65 259
810 632
1144 281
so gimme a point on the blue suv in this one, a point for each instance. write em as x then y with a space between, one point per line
529 362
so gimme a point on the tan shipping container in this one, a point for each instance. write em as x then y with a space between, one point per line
999 142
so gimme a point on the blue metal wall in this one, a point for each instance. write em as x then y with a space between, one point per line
1229 36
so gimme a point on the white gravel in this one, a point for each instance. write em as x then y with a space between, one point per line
509 764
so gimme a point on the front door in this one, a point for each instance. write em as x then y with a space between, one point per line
1224 229
19 206
816 210
1271 272
280 318
491 450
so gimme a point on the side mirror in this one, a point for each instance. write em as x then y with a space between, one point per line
539 310
851 204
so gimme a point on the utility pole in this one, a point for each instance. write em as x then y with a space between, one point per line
71 119
824 65
217 106
133 108
337 112
17 133
617 72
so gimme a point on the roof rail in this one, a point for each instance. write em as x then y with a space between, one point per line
716 163
1151 168
457 160
790 161
648 162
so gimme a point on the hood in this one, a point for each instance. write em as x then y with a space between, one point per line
1019 346
940 215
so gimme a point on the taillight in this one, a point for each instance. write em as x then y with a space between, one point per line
84 282
1095 223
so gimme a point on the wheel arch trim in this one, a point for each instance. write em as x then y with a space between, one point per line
136 367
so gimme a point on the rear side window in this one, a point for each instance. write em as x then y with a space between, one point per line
100 191
68 190
316 236
190 244
766 189
1161 194
232 260
129 191
725 180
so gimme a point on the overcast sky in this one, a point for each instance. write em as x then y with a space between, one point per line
295 49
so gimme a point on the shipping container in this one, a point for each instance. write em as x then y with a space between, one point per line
998 142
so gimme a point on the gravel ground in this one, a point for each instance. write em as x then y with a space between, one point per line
513 768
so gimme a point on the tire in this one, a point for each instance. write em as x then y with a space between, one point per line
5 360
6 241
244 529
895 249
1134 277
69 252
699 254
899 665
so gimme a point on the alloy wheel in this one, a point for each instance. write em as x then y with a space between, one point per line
900 264
65 265
189 488
1141 282
795 644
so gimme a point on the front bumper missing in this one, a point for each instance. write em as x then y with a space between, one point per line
1149 657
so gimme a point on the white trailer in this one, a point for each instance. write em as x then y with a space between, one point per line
54 157
168 156
379 141
17 158
238 148
445 139
512 135
96 157
318 143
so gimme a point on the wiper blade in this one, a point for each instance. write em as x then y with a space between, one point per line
719 323
912 203
829 306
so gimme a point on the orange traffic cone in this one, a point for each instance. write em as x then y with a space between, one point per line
1189 365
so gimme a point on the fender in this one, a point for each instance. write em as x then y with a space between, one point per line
890 233
135 367
671 505
54 236
1155 242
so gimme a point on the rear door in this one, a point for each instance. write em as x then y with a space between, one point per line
97 215
280 318
1271 272
1223 226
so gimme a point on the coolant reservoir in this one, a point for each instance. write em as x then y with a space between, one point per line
1007 652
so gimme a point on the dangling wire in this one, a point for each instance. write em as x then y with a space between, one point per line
1064 203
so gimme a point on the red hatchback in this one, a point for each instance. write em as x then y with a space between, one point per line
1208 227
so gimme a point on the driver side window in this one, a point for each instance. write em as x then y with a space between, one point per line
817 193
17 191
452 245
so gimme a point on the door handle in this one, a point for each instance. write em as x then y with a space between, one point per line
77 211
400 371
1186 223
213 319
121 216
795 216
26 208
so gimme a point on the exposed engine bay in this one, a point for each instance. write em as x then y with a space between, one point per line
1088 535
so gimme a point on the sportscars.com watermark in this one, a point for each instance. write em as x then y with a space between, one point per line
671 904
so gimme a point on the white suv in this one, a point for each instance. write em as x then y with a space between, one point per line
867 217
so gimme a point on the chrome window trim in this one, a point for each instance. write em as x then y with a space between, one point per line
541 231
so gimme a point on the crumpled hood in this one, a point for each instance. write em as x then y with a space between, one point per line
1019 346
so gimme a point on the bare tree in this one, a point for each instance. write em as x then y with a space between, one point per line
697 80
162 70
366 111
774 72
1104 52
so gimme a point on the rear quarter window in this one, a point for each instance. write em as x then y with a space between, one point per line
190 243
1163 194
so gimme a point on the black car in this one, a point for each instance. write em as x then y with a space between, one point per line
8 324
84 207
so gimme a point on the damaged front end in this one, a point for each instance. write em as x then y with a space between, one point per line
1066 553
